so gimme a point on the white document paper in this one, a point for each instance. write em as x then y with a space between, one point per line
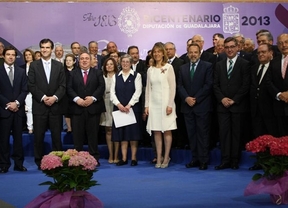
123 119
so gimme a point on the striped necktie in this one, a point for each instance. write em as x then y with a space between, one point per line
230 68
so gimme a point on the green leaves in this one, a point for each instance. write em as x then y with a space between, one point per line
68 178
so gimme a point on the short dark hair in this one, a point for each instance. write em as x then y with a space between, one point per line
229 39
220 35
131 47
9 48
194 44
46 40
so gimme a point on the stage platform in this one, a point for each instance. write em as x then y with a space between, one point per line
179 156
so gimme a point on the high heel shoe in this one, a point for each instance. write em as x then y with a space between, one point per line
165 165
157 165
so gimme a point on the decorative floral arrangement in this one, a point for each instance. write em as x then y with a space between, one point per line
271 155
70 170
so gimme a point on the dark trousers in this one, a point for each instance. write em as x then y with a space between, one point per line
86 125
198 129
230 136
282 122
7 125
264 125
40 125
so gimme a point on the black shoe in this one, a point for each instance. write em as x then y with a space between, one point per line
255 167
4 170
193 164
22 168
222 166
122 162
203 166
134 163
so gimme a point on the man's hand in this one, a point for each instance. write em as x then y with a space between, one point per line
12 106
80 102
49 100
88 101
227 102
190 101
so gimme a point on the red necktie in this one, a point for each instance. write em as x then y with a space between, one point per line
85 77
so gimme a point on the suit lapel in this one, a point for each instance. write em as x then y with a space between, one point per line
42 71
4 74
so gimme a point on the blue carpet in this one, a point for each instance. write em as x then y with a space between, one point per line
145 186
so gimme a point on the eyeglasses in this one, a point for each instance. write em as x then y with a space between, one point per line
230 47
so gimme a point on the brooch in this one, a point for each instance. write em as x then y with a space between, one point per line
163 71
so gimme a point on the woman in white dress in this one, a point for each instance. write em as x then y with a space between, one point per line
159 102
109 69
29 56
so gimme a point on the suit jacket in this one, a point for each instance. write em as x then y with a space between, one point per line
95 87
235 88
260 98
9 93
177 63
38 86
200 87
277 84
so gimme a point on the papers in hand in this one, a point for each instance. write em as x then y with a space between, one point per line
123 119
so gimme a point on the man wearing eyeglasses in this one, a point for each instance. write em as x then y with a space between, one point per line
231 86
278 85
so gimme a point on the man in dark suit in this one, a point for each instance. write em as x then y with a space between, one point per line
278 85
111 48
231 86
215 39
261 102
184 56
180 138
86 88
47 84
93 49
195 89
13 91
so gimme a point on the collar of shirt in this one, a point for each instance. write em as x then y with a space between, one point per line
196 64
44 61
7 69
130 72
172 59
135 65
85 71
233 59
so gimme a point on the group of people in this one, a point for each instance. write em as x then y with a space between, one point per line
199 96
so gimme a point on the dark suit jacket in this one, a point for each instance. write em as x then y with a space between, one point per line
235 88
177 63
95 87
200 87
260 99
9 93
277 84
38 86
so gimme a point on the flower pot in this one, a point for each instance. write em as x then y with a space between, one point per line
280 199
69 199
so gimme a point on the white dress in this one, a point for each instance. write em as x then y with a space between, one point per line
160 93
106 117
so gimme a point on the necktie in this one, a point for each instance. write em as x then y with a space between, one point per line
259 75
10 75
192 70
284 67
47 71
169 61
230 68
85 77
